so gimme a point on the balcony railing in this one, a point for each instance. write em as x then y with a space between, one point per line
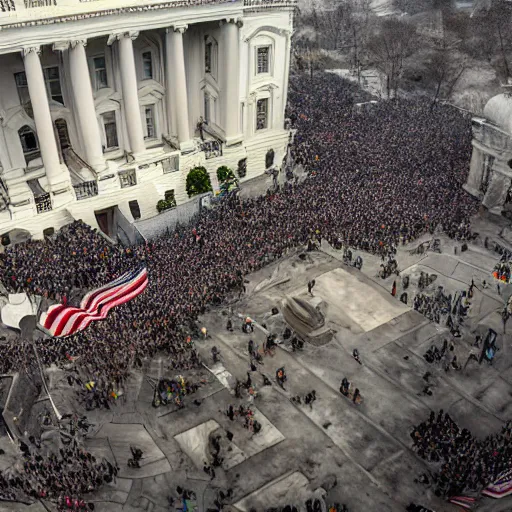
171 164
128 178
86 189
211 149
7 5
269 3
40 3
43 203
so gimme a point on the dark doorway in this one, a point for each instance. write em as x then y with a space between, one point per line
269 159
62 133
134 209
242 168
105 220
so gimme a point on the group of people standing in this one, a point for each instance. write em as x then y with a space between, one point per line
379 177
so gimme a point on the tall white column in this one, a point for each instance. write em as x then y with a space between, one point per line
169 85
130 92
84 104
286 75
231 94
178 85
55 173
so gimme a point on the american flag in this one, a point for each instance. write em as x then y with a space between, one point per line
61 320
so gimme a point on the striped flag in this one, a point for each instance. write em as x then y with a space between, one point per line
61 320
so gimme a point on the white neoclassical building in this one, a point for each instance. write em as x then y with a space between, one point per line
100 102
490 173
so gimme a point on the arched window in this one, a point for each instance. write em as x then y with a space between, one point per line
29 143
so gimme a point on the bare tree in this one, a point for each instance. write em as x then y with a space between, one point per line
492 36
445 71
388 49
313 60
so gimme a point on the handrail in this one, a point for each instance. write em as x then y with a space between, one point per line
4 192
79 160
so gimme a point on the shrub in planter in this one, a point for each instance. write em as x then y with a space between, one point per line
198 182
166 204
224 173
169 197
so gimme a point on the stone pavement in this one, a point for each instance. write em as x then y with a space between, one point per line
364 449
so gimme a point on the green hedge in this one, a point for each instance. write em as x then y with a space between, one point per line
198 182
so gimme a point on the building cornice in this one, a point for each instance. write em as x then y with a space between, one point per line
247 4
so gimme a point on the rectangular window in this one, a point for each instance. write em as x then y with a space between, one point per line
100 73
263 59
207 114
52 79
149 114
22 86
208 49
109 122
147 65
262 114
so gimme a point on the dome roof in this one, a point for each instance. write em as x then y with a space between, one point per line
498 111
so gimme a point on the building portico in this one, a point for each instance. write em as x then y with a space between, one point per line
91 114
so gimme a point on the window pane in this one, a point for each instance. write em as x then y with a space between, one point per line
263 59
55 89
208 58
207 108
23 95
150 125
111 134
109 121
28 142
21 79
99 63
261 114
147 65
101 78
51 73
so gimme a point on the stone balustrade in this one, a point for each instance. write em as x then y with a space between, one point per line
86 189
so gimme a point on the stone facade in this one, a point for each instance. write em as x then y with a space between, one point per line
100 102
490 174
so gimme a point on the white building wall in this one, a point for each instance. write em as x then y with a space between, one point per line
267 27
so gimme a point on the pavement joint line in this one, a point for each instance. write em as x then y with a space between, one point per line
367 473
389 459
345 453
335 391
405 333
410 396
452 383
370 421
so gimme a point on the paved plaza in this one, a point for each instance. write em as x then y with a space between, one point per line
357 455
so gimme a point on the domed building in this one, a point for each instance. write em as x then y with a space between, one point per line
490 174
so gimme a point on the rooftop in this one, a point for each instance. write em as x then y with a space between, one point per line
20 13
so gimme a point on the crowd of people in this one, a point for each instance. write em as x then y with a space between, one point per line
62 477
379 176
467 464
382 176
